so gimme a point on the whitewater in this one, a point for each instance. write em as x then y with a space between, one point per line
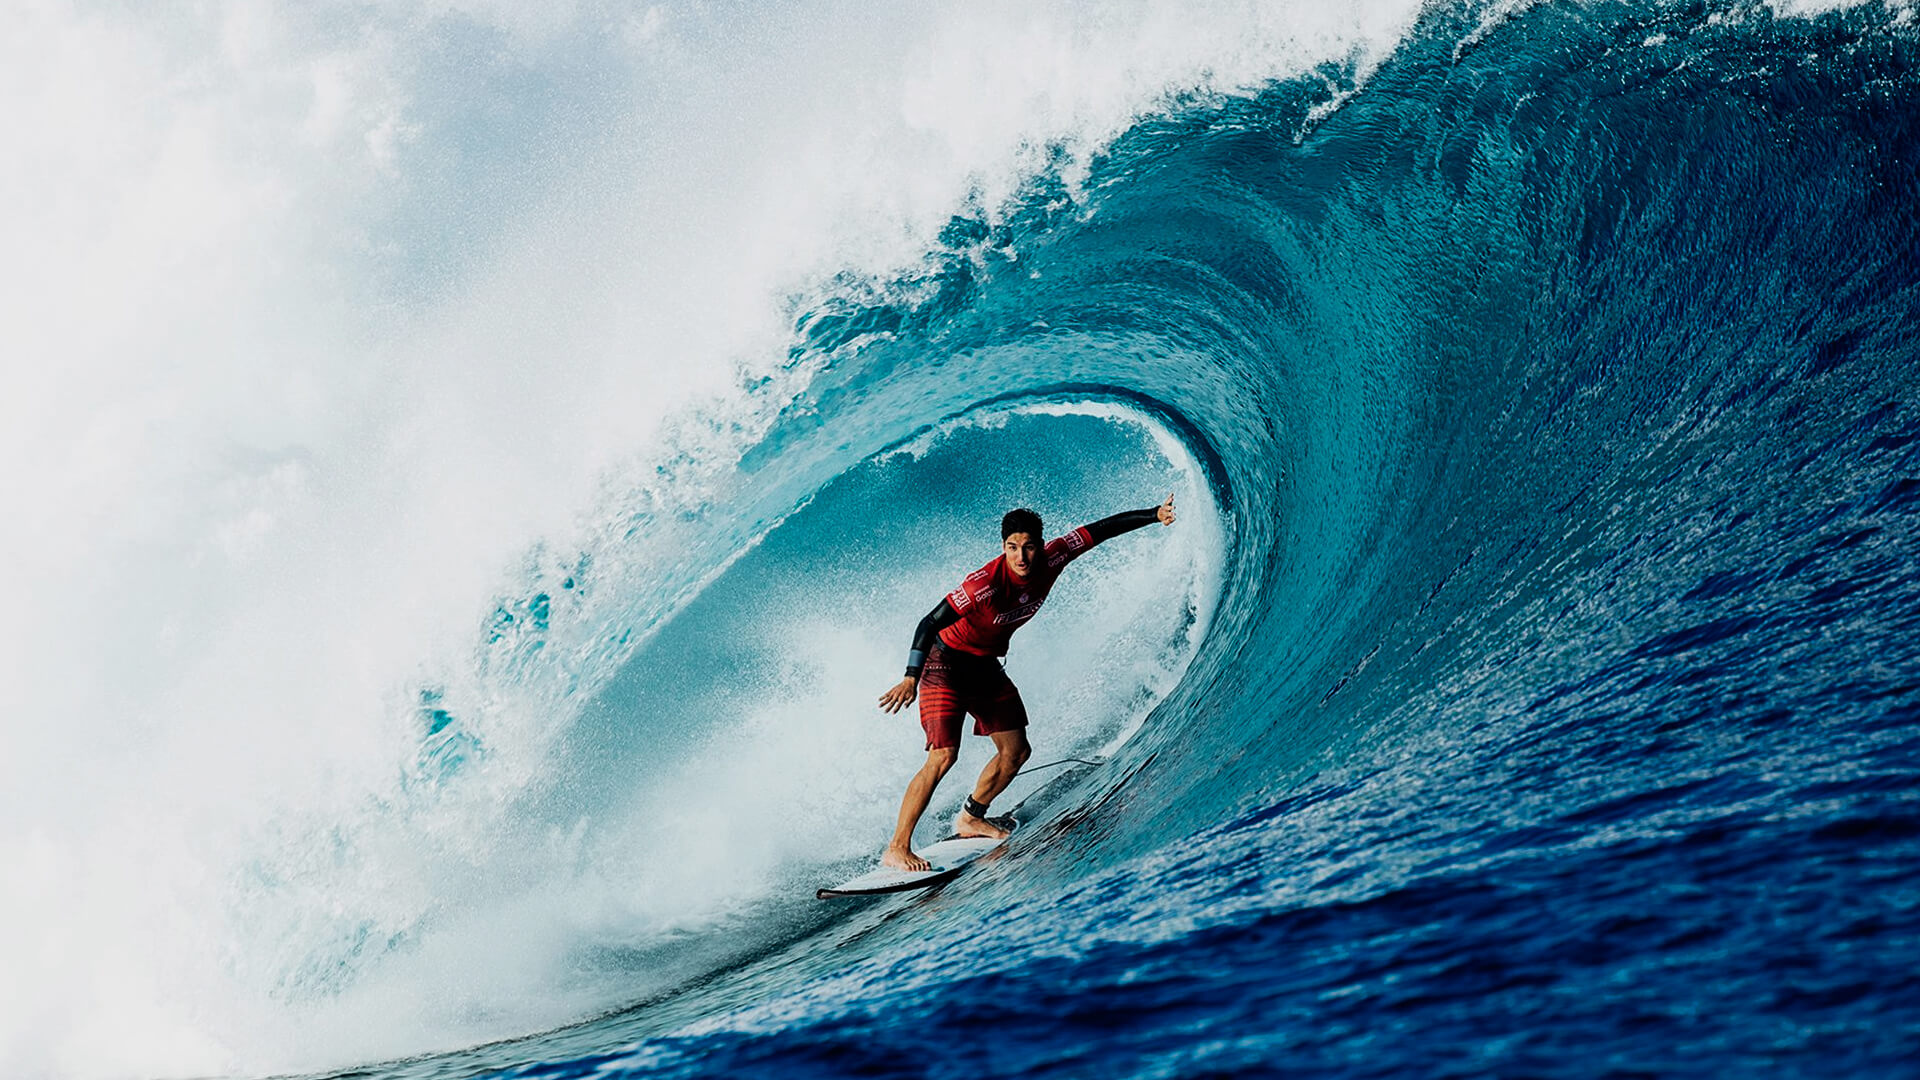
471 467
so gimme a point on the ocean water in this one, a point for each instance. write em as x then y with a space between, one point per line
514 447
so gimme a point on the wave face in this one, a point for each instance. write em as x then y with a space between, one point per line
1531 686
1557 712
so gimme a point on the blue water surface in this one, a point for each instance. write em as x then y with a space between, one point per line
1560 711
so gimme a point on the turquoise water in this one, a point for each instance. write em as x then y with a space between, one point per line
1530 686
1553 709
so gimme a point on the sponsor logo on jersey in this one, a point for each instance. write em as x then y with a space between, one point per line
1077 539
1019 614
960 599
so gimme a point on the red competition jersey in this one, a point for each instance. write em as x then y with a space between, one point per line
992 603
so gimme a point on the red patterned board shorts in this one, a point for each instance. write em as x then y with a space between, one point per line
953 683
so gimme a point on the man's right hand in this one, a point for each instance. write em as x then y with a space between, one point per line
901 695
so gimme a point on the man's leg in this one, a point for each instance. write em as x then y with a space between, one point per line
899 854
1010 752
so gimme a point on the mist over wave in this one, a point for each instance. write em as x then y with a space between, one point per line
505 456
341 340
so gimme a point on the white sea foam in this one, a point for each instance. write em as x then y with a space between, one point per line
319 318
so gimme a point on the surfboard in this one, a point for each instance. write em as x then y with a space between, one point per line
949 857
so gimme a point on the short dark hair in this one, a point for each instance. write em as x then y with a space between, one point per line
1022 520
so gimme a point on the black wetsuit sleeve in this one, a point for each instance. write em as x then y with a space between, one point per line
1109 527
937 620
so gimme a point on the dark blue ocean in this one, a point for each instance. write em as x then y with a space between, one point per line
1556 709
1531 686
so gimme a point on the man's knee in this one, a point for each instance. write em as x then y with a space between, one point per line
1015 750
940 759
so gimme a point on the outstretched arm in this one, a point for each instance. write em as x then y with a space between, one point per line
1109 527
904 691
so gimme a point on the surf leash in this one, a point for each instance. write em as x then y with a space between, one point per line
1062 761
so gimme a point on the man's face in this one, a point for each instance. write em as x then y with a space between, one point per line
1022 550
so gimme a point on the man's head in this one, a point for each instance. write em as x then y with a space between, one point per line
1020 541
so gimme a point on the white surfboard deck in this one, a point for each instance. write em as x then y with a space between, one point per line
949 857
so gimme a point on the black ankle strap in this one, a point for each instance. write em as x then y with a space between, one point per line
976 808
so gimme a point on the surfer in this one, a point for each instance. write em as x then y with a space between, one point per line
953 668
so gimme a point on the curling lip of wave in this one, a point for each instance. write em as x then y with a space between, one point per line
1493 368
1501 362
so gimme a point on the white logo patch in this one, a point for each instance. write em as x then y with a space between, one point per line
1016 615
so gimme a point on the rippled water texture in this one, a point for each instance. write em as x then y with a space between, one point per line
1532 686
1559 712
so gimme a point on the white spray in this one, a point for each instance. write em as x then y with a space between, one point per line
319 318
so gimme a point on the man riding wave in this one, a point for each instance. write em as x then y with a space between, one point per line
953 668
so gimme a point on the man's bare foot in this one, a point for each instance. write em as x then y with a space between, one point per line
904 859
969 825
